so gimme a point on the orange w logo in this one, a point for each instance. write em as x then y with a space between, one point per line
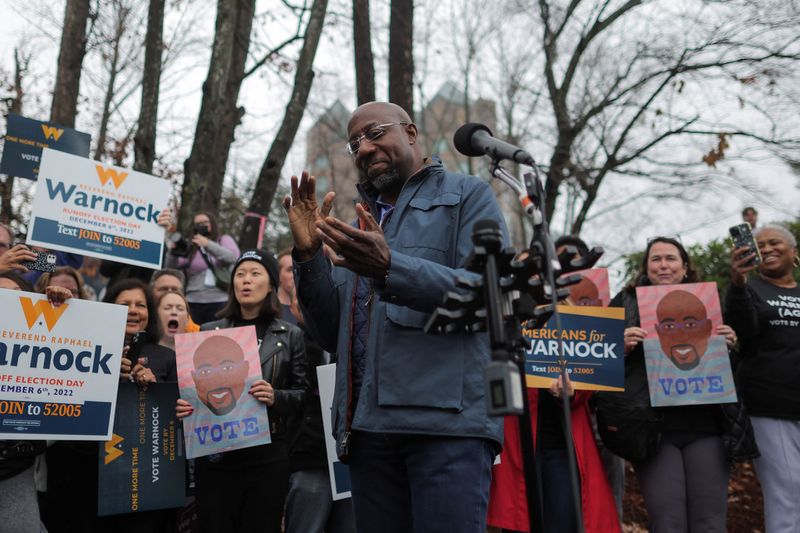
106 174
42 307
112 452
51 132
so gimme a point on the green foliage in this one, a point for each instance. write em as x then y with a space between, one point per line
713 262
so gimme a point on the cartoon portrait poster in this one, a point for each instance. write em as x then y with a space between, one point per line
215 371
687 363
592 290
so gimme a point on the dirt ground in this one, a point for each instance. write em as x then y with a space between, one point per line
745 506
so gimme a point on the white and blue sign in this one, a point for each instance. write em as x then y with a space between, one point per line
85 207
338 472
25 139
59 367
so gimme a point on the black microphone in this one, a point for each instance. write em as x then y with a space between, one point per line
474 140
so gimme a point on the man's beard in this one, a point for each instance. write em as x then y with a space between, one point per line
388 181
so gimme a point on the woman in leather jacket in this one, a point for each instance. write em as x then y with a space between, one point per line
244 490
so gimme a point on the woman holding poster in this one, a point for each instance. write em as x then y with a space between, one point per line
765 310
684 476
245 489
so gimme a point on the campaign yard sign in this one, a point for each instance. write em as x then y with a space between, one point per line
142 467
59 367
687 362
86 207
337 471
591 340
25 139
215 372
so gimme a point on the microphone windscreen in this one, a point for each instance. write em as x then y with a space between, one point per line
462 139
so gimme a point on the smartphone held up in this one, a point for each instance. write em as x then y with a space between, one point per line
742 236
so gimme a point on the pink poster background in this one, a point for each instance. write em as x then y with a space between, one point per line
648 298
247 407
710 380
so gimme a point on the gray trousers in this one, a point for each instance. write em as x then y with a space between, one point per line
19 508
686 488
778 471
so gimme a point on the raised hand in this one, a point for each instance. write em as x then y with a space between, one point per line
304 212
13 259
365 252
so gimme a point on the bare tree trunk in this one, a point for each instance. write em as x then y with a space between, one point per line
204 170
122 12
362 44
401 57
144 143
270 173
70 59
7 187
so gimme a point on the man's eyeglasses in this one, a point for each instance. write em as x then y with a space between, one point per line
371 135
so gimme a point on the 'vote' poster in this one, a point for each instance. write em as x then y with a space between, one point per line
687 362
215 372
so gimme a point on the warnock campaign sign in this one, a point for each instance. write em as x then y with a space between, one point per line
337 471
215 371
142 467
25 139
687 362
591 341
59 367
103 211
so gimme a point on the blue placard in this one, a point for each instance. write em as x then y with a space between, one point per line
84 240
25 139
142 467
592 342
51 418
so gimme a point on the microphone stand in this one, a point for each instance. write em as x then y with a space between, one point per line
541 247
509 292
